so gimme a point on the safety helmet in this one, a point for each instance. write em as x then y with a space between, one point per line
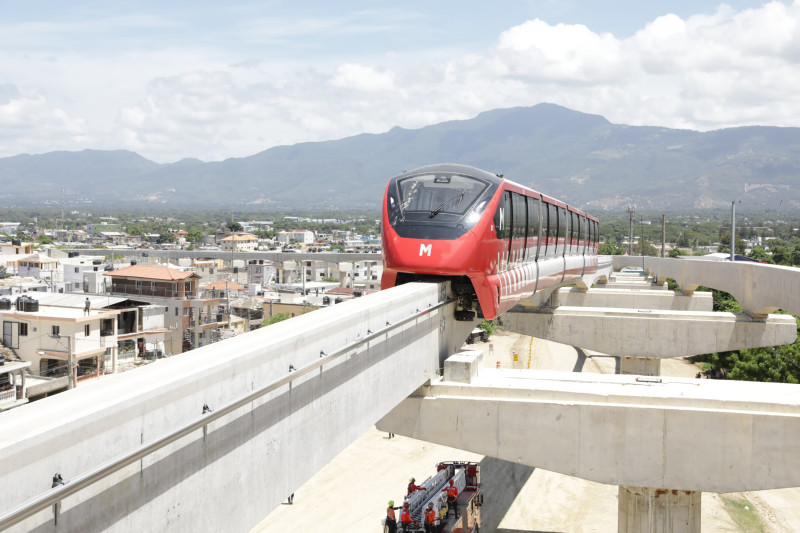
411 480
391 503
451 481
405 504
430 504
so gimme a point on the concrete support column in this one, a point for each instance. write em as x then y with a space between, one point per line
640 366
644 509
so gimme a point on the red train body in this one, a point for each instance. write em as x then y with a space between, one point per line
497 241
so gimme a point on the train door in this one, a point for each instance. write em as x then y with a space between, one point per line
502 225
563 232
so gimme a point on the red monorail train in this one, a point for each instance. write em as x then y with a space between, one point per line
497 241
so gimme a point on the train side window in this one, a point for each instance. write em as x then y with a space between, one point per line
533 223
502 217
573 232
596 234
520 216
584 234
563 226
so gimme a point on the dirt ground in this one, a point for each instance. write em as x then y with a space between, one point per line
356 485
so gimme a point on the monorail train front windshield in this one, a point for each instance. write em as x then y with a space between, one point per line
439 205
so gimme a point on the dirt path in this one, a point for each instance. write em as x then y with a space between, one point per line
356 485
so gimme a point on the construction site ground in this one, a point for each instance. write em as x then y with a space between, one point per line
351 492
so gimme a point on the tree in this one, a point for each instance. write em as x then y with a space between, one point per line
165 238
44 239
781 255
760 254
609 248
725 244
234 226
195 235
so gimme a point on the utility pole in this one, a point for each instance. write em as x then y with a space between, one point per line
733 228
631 209
663 233
228 302
641 247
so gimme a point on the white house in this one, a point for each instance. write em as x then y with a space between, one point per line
302 236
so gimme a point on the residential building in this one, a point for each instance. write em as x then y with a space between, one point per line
54 338
190 320
261 272
74 271
40 267
296 236
239 242
16 247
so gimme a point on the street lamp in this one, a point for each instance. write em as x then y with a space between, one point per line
733 227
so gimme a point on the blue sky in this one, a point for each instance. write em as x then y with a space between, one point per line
211 80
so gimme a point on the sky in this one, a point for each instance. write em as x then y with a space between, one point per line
214 80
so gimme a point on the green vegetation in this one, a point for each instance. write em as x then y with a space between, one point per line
742 513
779 364
274 319
489 326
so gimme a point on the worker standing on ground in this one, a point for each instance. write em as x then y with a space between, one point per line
413 487
391 521
430 519
405 519
452 498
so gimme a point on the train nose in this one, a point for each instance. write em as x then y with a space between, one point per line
439 256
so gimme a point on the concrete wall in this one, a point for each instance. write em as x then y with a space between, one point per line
251 459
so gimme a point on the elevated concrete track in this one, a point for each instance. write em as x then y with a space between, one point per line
213 439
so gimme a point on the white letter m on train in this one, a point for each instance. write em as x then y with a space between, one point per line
425 249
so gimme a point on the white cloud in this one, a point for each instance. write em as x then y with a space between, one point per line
705 72
363 78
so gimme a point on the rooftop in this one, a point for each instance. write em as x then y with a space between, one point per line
151 273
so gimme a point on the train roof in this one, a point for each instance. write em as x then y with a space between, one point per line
453 167
491 178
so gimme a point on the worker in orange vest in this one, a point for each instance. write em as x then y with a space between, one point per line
413 487
405 518
452 498
391 521
430 519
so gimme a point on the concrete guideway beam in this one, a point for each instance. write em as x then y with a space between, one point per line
630 299
651 333
249 460
760 289
685 434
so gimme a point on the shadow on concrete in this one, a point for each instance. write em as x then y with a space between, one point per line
501 482
255 427
580 361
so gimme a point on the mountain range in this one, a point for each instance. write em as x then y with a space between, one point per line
580 158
